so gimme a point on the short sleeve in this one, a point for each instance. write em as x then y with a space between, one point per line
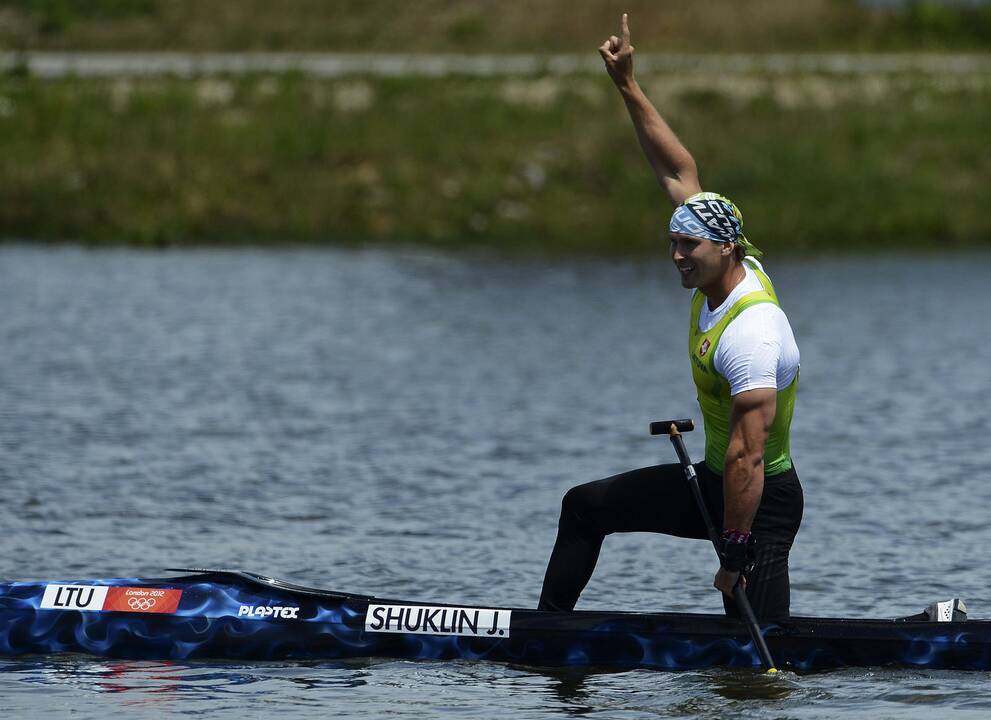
749 352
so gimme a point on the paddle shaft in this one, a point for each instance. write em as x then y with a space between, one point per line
739 594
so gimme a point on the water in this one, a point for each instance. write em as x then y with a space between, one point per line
404 424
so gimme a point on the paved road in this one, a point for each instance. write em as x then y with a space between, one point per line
93 64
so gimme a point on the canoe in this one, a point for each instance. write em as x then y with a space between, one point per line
245 616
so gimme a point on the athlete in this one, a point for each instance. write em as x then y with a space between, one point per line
745 365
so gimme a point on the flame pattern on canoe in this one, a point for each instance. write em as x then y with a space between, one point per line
209 622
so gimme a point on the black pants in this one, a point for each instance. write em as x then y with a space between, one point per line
658 499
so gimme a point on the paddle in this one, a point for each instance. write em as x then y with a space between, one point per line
673 429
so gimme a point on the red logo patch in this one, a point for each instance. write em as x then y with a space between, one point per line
143 600
705 347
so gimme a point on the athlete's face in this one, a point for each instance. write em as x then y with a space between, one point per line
700 262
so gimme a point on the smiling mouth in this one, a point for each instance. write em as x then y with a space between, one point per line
685 269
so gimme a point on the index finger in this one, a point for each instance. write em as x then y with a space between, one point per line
626 30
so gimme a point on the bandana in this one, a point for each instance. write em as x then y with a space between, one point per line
712 217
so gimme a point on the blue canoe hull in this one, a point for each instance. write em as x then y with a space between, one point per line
233 615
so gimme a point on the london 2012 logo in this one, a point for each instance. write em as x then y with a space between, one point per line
141 604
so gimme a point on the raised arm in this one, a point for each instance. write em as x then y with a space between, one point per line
673 165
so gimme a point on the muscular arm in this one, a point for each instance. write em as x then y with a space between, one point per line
673 165
743 478
751 416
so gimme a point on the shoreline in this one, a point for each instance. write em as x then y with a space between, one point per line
52 64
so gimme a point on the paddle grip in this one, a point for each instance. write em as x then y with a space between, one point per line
663 427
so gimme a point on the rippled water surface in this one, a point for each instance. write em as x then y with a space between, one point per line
404 424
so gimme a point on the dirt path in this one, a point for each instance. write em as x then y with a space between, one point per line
91 64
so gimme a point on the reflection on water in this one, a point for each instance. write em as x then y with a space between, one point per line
405 424
570 687
460 689
753 685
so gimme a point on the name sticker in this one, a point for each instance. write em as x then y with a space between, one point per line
427 620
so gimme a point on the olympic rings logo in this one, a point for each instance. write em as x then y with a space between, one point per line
141 603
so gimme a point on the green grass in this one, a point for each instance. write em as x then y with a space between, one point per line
59 18
545 165
489 25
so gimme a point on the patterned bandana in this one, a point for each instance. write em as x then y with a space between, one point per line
712 217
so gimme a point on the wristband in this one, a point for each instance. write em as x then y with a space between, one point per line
735 537
736 551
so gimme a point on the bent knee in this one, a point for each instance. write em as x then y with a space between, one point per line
578 504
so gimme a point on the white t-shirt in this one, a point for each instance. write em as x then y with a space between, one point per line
757 349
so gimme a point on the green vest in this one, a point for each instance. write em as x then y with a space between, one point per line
713 389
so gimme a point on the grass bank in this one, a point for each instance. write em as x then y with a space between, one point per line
545 164
492 25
